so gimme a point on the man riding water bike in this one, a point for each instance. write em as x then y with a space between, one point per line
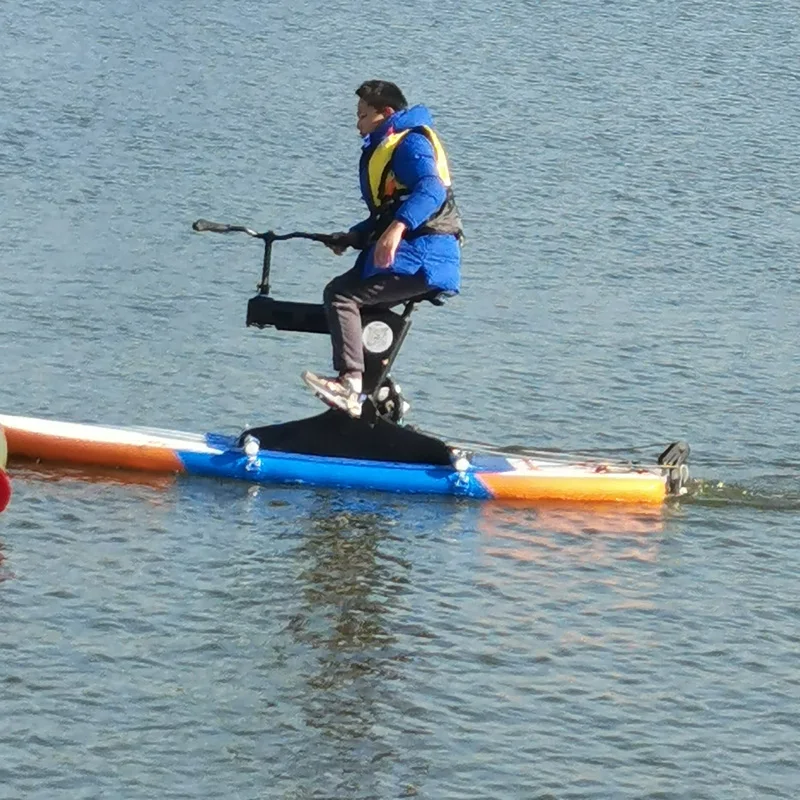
411 242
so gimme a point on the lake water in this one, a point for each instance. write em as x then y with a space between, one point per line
628 174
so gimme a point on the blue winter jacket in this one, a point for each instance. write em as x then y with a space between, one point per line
414 164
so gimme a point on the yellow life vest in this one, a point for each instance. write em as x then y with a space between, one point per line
383 184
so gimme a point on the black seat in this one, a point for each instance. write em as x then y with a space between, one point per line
436 296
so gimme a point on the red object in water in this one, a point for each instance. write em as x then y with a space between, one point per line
5 490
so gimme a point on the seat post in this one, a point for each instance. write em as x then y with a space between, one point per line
378 362
388 361
408 308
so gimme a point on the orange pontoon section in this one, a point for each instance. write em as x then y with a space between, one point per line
644 487
72 443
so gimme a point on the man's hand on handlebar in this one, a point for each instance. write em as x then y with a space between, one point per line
340 241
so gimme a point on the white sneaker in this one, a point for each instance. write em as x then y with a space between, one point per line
336 392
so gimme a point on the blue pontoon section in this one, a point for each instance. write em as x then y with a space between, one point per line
274 467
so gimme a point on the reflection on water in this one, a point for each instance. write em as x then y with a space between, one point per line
577 518
4 573
596 533
565 568
351 589
59 473
347 587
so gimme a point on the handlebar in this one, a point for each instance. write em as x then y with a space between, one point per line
202 225
268 238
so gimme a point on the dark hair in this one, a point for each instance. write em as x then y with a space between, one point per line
380 94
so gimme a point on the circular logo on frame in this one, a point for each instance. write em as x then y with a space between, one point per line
377 337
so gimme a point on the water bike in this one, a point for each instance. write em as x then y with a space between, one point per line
378 451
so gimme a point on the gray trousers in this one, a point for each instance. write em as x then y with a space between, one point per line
343 298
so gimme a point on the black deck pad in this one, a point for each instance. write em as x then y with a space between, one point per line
336 434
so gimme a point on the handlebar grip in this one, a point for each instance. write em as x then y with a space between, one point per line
206 225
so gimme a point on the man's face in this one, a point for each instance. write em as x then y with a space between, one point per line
369 118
